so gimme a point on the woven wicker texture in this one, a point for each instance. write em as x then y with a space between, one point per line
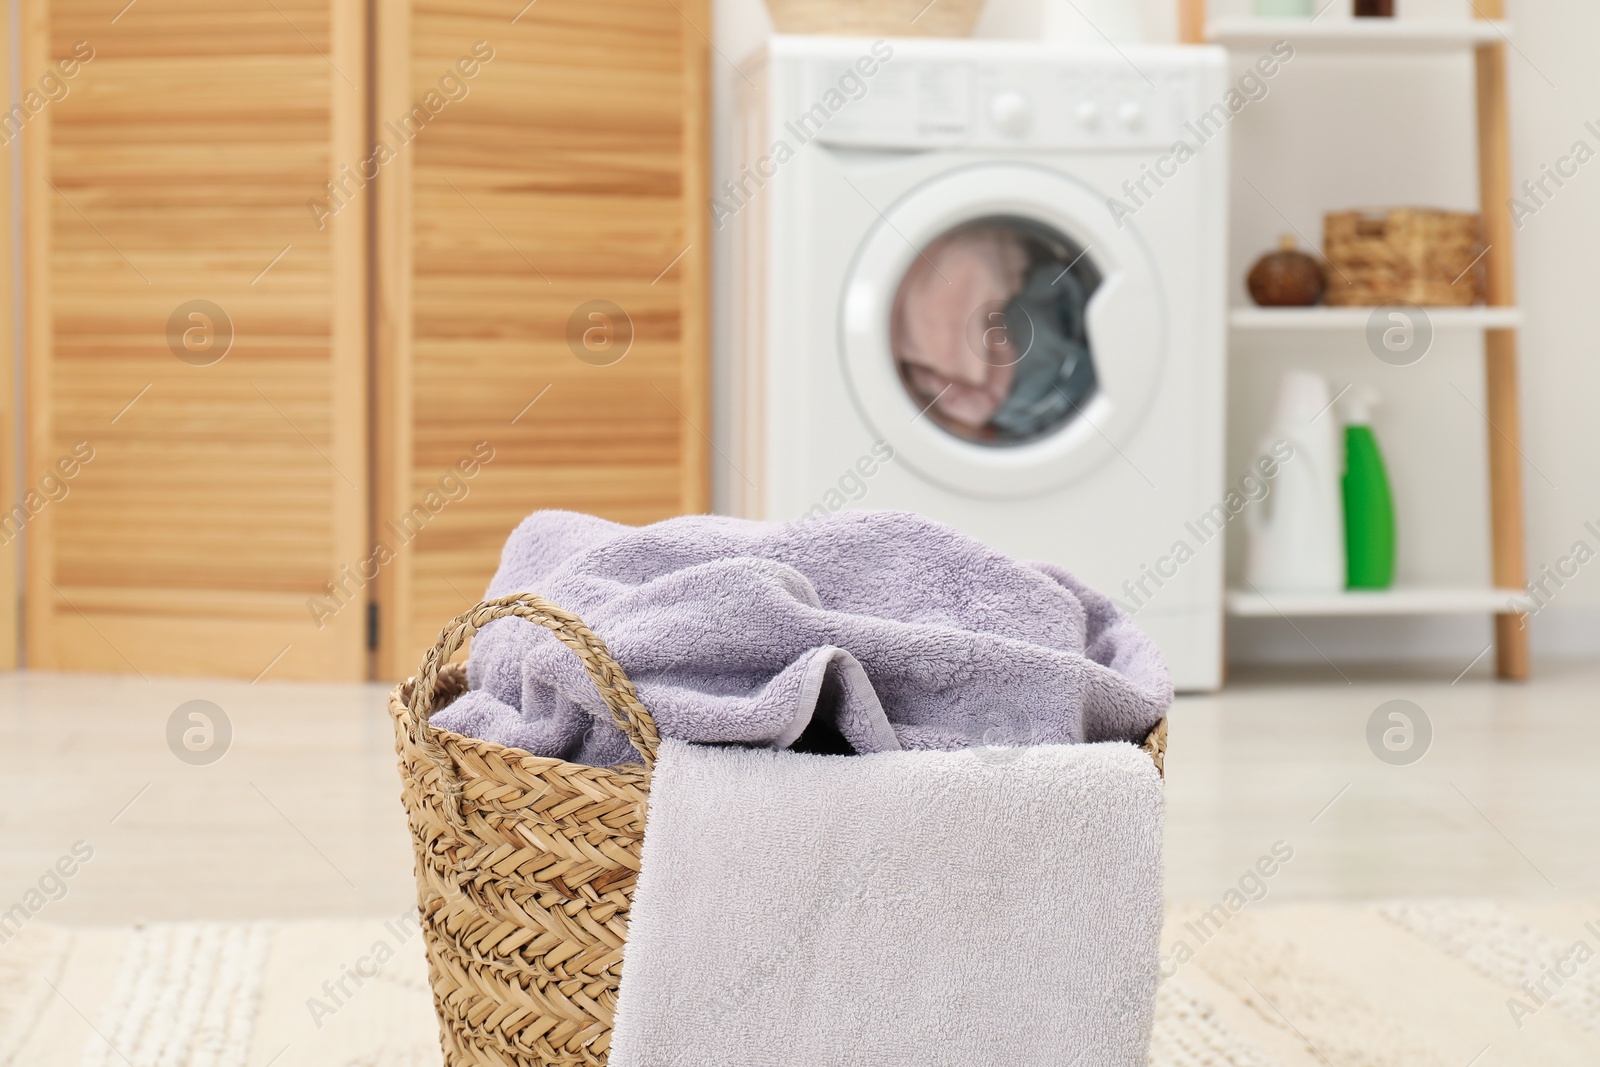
1410 255
874 18
526 865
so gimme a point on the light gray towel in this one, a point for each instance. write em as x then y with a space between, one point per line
936 909
868 631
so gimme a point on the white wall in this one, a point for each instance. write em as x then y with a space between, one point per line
1556 90
1339 133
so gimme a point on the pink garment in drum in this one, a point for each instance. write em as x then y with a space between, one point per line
946 351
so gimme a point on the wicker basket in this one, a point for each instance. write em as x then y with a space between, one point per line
876 18
1410 255
526 865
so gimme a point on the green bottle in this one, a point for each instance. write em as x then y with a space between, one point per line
1369 533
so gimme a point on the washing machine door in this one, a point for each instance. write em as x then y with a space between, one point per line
992 236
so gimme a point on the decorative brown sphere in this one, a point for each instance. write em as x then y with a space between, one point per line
1287 278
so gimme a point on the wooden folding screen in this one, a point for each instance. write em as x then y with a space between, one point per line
542 272
197 358
10 536
228 476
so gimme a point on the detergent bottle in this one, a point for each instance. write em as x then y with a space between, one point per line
1369 528
1297 531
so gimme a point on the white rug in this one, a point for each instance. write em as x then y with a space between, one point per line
1415 984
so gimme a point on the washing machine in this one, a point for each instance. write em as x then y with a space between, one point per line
984 281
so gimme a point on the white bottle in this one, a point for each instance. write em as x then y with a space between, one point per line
1297 532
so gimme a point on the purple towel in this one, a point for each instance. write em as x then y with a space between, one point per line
864 630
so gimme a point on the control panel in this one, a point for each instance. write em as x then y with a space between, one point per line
922 103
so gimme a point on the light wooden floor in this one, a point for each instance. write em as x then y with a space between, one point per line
301 817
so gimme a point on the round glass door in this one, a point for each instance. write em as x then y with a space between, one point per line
1001 331
989 330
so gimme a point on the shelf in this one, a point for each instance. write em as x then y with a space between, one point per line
1352 35
1341 38
1414 600
1342 318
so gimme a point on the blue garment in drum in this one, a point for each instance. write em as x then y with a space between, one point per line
1055 376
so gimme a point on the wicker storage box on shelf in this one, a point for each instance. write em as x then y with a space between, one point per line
1409 255
876 18
526 865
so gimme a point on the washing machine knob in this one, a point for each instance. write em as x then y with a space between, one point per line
1088 114
1131 114
1009 110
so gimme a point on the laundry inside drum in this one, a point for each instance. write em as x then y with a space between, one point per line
989 334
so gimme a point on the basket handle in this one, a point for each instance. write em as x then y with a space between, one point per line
616 690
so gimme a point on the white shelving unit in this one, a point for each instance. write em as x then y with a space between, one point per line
1484 38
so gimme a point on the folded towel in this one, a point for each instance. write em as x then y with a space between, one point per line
858 631
995 906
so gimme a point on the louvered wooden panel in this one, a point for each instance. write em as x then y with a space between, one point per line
11 493
574 169
220 498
